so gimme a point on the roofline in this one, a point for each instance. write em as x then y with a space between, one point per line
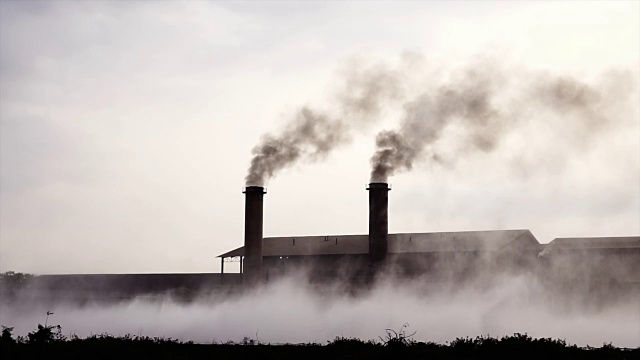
396 233
241 249
596 237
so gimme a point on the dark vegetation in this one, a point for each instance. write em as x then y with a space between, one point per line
48 341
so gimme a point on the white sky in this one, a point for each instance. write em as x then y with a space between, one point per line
127 127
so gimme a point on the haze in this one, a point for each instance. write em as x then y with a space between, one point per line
127 127
291 312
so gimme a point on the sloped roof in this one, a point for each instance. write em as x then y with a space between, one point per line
621 242
233 253
398 243
461 241
310 245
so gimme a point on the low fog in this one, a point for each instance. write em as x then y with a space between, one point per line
289 312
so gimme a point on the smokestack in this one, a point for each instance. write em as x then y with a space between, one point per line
253 234
378 221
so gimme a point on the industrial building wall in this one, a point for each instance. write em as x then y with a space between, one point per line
594 265
316 268
457 266
435 266
593 277
116 287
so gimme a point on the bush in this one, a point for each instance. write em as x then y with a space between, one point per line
46 335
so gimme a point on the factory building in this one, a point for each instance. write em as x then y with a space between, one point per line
439 256
593 260
587 271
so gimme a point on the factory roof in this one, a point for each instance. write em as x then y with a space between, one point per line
310 245
621 242
462 241
398 243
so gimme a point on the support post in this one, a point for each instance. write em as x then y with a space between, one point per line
221 270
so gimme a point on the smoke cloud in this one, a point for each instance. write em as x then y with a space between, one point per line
487 103
426 117
482 102
311 134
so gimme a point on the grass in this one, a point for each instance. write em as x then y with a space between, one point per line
49 342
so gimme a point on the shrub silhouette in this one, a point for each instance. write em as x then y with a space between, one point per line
6 338
398 339
46 335
48 342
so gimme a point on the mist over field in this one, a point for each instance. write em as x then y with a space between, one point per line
289 312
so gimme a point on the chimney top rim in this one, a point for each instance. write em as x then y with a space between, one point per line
378 185
254 189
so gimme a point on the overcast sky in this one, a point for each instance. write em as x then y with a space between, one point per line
127 127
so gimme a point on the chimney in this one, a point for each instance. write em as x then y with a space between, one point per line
252 266
378 221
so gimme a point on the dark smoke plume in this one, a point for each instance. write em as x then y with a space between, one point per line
473 104
427 116
483 102
310 135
